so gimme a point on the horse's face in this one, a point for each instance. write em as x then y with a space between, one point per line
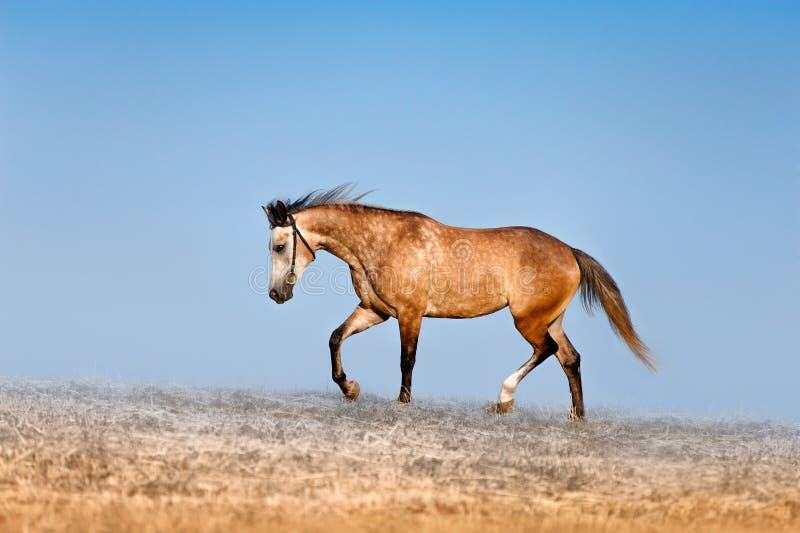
281 279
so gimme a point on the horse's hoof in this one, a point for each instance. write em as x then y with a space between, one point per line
404 398
504 407
575 417
351 390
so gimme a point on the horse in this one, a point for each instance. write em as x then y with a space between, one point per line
408 266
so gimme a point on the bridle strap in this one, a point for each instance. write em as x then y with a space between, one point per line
296 233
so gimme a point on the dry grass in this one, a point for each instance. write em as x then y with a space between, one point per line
93 457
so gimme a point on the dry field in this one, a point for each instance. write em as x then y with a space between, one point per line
101 457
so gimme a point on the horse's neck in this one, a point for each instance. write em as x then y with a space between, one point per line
345 233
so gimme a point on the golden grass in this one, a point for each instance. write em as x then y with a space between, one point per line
98 457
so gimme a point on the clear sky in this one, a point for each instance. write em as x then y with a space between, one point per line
138 140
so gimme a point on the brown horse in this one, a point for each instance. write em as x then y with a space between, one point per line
408 266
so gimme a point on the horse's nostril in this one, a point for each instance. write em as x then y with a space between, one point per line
273 294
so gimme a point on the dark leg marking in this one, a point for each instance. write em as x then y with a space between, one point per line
359 320
409 334
570 361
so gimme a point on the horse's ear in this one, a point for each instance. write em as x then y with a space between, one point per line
270 215
281 213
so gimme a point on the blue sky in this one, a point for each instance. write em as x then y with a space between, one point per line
138 140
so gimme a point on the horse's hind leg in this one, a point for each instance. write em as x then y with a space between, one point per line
570 361
409 334
359 320
543 347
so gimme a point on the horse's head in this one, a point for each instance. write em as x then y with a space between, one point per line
291 252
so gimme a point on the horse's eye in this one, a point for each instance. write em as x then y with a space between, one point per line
279 248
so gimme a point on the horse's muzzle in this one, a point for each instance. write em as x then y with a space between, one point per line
280 298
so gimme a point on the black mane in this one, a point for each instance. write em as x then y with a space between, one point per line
279 211
341 194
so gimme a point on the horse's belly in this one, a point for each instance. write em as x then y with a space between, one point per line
456 305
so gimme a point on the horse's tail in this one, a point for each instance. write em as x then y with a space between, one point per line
597 286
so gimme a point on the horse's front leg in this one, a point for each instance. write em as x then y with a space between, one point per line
409 333
359 320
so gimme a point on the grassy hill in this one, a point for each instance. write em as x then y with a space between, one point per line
101 456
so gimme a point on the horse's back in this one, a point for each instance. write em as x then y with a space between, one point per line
478 271
529 246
